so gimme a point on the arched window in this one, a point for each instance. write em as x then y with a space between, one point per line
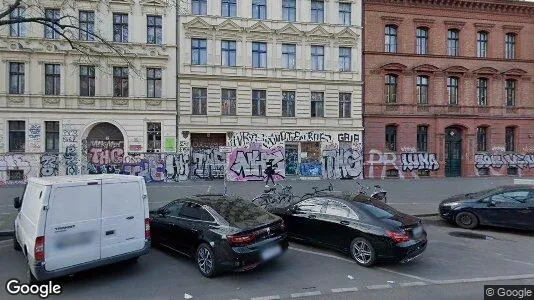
390 36
509 46
482 44
422 40
453 42
391 88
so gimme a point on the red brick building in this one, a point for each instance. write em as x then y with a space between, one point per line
448 88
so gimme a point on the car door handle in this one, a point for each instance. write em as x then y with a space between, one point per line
312 216
129 218
110 232
344 222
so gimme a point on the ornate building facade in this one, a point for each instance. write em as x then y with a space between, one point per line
275 81
66 111
448 88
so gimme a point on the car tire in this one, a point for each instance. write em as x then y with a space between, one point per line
205 260
466 220
362 252
16 244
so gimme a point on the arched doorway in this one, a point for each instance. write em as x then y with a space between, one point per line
105 149
453 152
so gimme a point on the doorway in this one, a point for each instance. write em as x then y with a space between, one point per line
453 152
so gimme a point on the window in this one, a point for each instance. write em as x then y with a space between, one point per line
16 78
259 100
120 28
191 211
120 82
229 8
173 209
289 56
86 25
482 139
52 79
17 136
510 92
51 136
422 138
17 29
314 205
345 59
259 55
452 90
453 42
390 36
199 99
154 29
391 138
482 44
337 209
317 11
51 29
422 41
87 81
512 197
391 88
259 9
422 89
510 139
199 7
345 105
288 103
289 10
345 13
228 52
317 56
228 102
482 91
153 137
153 82
15 175
509 50
317 104
199 54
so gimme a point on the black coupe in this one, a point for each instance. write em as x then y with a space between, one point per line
220 232
509 206
367 229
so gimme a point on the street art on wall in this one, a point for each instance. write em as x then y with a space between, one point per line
498 164
342 163
248 164
408 162
34 138
105 156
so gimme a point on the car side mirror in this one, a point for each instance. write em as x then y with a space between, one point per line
492 203
17 203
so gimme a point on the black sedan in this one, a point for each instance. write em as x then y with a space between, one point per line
221 233
510 206
367 229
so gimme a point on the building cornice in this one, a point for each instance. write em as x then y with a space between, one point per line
494 6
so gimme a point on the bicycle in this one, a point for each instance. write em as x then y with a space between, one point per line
317 191
270 196
378 193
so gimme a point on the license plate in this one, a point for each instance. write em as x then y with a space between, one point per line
417 232
270 252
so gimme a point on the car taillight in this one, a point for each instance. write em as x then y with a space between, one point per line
398 237
241 240
38 251
147 228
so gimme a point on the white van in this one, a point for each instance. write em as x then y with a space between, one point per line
67 224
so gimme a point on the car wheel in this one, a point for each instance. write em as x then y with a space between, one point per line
466 220
16 244
206 260
363 252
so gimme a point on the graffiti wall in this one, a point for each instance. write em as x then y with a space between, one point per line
342 162
248 164
388 164
498 164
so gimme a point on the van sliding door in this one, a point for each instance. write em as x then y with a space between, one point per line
73 223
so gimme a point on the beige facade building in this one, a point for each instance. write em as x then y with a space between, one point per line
65 112
275 81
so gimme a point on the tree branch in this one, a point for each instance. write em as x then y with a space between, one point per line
10 9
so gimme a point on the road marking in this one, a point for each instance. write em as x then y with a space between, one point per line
480 279
209 189
2 246
416 283
6 241
322 254
518 261
274 297
404 274
378 286
305 294
343 290
8 213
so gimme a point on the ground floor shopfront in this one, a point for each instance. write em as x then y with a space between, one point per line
411 147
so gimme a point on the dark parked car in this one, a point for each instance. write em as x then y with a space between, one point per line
367 229
509 206
221 233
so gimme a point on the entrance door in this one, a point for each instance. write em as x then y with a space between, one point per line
453 152
292 159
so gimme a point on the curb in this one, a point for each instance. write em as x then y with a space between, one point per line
6 233
426 215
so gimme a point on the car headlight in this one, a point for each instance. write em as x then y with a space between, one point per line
451 204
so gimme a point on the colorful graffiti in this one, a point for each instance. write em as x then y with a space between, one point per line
344 163
268 140
248 164
207 163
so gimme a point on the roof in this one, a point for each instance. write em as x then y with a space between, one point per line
51 180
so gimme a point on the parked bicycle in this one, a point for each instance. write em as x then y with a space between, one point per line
316 191
271 197
378 192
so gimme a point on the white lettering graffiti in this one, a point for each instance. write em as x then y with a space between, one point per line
345 163
521 161
419 161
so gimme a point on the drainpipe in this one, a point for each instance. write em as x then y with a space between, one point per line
363 85
177 83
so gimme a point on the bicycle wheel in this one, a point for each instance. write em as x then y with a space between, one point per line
261 201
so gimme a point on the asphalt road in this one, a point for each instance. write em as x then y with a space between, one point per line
411 196
451 268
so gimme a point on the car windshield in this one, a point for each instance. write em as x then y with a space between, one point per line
242 214
378 209
484 193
